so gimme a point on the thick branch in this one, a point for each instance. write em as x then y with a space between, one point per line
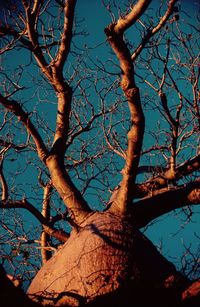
191 295
24 204
4 186
61 181
62 122
63 90
66 35
78 207
135 135
126 22
147 209
46 213
162 180
188 167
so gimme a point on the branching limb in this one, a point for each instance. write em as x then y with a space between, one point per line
162 180
77 206
66 35
155 30
114 34
127 21
164 201
54 73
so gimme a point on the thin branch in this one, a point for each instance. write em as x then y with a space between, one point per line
162 180
24 204
31 25
7 30
14 107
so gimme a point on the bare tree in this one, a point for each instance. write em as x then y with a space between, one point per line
95 149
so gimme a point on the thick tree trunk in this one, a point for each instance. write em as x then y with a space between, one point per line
106 262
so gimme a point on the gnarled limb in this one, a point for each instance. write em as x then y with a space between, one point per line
114 34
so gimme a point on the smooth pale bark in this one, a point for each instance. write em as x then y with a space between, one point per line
78 208
105 256
45 254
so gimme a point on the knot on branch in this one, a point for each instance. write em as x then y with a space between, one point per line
131 93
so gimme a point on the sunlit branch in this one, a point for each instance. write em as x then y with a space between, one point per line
4 185
78 207
135 135
46 213
174 123
31 25
63 90
127 21
158 182
66 35
36 5
153 31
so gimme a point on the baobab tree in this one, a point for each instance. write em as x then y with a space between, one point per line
113 139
